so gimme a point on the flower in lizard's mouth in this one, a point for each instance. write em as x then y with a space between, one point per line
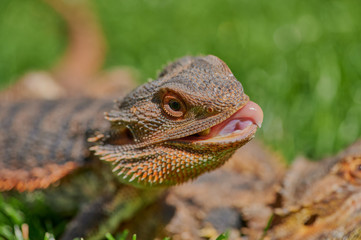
240 126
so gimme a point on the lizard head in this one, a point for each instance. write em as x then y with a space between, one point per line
187 122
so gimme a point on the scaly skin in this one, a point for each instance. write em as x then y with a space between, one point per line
43 141
187 122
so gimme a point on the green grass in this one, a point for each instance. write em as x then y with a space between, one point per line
300 60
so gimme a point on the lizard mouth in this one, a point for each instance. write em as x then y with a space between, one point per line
240 126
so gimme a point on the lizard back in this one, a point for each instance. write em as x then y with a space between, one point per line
42 141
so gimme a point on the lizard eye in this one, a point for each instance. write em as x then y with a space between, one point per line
173 106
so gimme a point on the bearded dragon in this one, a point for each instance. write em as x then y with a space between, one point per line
168 131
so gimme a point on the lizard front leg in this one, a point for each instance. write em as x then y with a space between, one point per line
107 212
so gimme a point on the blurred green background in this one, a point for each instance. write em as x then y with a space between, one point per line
300 60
